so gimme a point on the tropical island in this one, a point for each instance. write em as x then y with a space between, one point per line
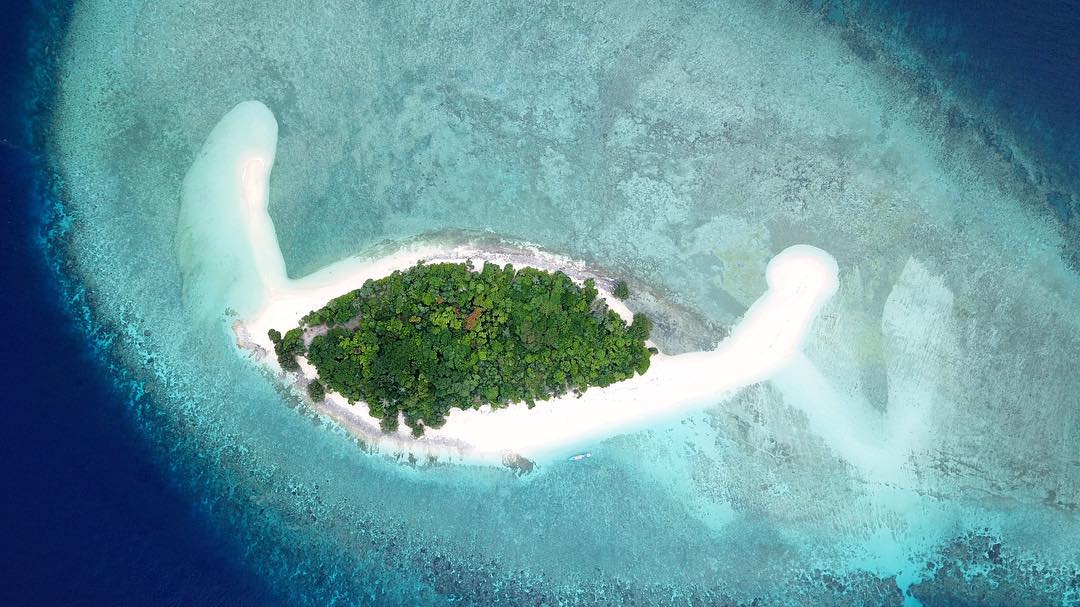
558 371
417 343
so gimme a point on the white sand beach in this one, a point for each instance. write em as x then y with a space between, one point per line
226 197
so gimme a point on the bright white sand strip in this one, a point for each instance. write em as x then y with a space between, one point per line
226 196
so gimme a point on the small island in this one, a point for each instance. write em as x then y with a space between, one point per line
527 359
417 343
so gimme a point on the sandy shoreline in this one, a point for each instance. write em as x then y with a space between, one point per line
229 182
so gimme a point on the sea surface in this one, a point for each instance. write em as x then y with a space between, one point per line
932 148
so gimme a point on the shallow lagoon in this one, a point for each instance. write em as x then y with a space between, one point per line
679 146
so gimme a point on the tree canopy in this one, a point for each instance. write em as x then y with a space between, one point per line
418 343
287 347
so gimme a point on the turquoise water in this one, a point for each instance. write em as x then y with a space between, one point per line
680 145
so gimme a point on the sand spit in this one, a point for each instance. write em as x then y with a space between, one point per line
224 212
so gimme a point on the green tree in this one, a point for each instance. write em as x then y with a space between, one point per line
316 390
621 290
287 347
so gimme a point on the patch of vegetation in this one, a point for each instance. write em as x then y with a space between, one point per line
621 290
421 342
316 390
288 347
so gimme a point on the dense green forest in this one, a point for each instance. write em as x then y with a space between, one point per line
434 337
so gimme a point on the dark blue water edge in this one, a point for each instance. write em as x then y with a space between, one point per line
1020 58
1004 75
91 517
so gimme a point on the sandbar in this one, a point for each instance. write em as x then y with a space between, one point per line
226 196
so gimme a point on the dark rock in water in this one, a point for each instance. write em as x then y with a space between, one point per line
520 465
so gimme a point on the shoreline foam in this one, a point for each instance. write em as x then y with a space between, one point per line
800 280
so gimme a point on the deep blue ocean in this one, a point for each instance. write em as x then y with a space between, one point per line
91 518
88 519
